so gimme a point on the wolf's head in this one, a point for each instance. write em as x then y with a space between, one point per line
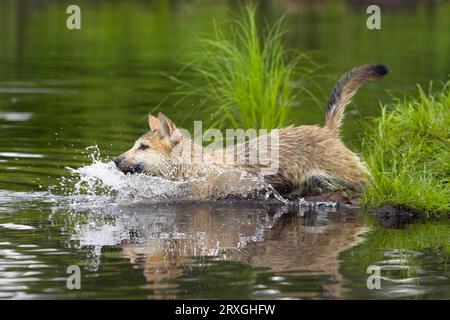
155 152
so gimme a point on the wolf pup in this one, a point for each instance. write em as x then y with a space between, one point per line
307 155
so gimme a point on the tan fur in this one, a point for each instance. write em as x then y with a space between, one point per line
313 152
307 154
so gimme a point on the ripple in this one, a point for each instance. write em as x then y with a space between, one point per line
408 273
267 292
25 90
14 226
15 116
20 155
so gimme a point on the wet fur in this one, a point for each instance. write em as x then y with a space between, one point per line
312 159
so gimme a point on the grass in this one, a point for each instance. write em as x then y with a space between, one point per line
407 154
248 75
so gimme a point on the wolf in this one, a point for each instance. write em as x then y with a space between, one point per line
310 158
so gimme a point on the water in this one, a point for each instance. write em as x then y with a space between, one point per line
72 100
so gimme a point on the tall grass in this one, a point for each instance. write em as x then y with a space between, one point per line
247 74
407 153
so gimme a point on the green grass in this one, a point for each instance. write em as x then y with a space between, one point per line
247 76
407 154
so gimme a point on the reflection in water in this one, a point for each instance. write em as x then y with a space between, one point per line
164 241
302 243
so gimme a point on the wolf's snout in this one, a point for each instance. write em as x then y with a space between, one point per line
117 161
126 167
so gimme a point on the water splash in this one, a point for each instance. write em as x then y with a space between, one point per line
102 178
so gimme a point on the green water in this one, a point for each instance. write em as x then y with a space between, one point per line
62 91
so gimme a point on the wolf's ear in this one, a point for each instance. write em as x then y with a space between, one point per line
153 122
168 129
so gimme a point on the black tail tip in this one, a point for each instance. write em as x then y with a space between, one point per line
380 70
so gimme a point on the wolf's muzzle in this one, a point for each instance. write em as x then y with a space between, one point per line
126 168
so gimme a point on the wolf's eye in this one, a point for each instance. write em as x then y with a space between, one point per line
143 146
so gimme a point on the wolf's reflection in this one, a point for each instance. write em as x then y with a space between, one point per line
279 238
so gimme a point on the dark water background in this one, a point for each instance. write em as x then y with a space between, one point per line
62 91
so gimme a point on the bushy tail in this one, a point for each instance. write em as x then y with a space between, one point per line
346 89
